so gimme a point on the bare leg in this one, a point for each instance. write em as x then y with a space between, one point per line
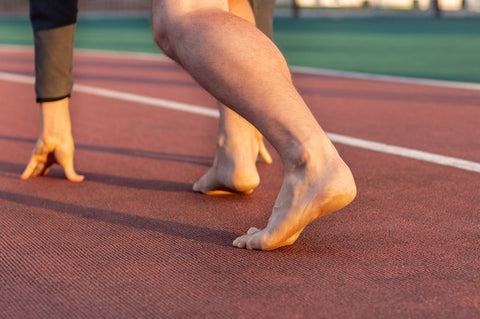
218 48
238 144
233 168
263 10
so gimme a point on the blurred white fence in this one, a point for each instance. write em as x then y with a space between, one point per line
472 5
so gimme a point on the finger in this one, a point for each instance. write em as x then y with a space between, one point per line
30 168
65 159
50 161
40 148
72 176
46 169
38 168
262 149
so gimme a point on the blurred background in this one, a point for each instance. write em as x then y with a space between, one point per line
136 6
392 4
434 39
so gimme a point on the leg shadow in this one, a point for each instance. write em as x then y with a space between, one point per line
191 232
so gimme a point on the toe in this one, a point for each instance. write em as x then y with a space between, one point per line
251 243
240 241
253 230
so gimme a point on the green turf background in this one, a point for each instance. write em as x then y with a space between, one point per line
416 47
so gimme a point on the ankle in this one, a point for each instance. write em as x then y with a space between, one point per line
238 145
315 149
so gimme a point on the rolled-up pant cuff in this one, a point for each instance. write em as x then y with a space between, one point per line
51 99
54 63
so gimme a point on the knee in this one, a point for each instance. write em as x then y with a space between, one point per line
162 35
168 25
172 20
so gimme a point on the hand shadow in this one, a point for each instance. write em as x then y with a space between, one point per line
162 156
7 169
168 186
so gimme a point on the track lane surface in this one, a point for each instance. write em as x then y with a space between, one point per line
134 241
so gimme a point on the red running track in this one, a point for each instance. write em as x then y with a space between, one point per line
133 240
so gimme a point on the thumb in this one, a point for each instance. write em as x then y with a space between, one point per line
64 157
71 175
67 164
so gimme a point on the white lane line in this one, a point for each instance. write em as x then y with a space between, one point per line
136 98
406 152
386 78
295 69
201 110
17 78
95 53
118 95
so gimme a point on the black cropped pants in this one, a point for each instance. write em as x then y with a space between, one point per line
53 23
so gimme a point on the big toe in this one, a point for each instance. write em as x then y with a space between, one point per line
251 240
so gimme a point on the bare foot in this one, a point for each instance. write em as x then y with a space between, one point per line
311 189
234 169
262 149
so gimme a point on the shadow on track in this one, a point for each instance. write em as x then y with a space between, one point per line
191 232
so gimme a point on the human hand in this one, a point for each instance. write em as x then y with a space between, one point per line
52 151
55 144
